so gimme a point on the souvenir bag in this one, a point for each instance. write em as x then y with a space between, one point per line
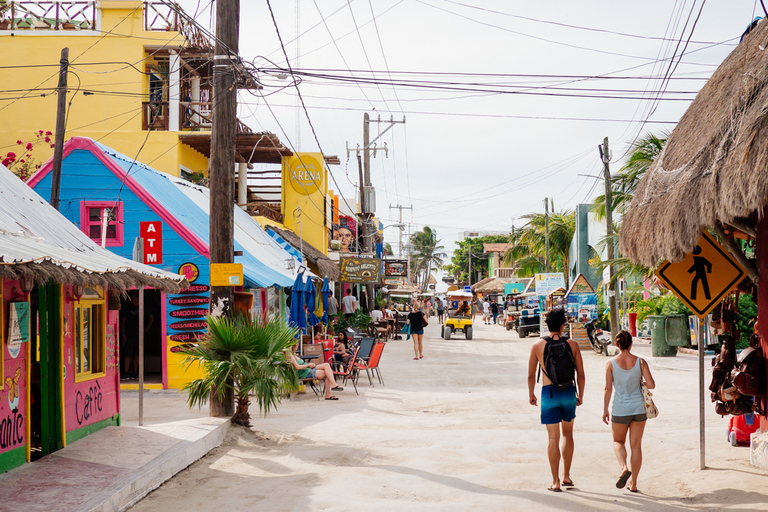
650 408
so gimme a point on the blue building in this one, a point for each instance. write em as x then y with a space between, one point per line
115 200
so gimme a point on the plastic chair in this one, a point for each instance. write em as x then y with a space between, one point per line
366 345
349 373
372 365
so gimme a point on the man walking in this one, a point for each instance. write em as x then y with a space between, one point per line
486 312
559 358
494 311
349 304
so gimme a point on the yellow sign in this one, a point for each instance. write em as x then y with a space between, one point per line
226 274
306 172
704 277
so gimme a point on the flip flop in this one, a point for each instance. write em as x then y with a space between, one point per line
633 490
331 398
337 388
415 358
623 479
554 489
421 357
569 483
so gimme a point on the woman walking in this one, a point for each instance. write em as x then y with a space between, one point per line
417 321
624 374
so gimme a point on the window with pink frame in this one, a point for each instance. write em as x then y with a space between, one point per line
91 221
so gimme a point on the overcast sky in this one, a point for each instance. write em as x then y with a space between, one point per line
472 157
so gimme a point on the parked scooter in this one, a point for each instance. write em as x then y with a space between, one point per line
597 338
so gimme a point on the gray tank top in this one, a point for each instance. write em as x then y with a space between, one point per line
628 396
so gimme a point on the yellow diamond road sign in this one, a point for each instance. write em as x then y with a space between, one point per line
704 277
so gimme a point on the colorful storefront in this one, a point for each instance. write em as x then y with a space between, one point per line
109 195
59 316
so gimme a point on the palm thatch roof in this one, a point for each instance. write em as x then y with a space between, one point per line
491 285
713 167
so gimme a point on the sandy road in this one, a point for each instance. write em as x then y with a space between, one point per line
454 431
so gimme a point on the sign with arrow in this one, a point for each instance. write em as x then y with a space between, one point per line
703 277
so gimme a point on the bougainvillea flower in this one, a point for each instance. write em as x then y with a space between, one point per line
29 146
49 132
47 139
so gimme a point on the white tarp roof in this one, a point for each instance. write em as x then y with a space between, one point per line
31 231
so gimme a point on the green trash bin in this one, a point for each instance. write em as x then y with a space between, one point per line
677 330
659 346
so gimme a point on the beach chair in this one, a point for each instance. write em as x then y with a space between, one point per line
350 372
372 364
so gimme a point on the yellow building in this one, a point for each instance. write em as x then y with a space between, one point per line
139 82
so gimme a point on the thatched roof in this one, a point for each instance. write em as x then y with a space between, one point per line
713 167
491 285
327 267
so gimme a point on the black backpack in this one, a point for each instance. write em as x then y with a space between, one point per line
559 363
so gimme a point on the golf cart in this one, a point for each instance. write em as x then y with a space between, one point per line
526 315
455 322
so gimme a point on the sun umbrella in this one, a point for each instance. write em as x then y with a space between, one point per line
297 318
311 301
325 292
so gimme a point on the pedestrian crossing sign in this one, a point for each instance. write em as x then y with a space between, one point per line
703 277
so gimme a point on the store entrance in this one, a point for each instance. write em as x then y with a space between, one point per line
153 338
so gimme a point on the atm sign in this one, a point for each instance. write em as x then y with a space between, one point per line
152 235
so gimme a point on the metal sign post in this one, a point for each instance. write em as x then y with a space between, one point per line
701 329
138 255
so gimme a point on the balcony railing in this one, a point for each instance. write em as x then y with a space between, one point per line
155 115
48 15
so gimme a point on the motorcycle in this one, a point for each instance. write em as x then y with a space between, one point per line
597 338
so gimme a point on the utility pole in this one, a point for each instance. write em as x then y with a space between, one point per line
611 287
546 234
367 210
402 227
61 118
222 166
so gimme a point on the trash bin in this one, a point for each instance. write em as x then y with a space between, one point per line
676 330
659 346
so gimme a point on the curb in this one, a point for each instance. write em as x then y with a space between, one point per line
140 482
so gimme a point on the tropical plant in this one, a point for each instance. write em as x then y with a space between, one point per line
428 254
529 247
358 320
624 183
648 307
246 357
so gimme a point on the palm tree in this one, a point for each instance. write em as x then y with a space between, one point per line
529 244
623 185
428 253
247 358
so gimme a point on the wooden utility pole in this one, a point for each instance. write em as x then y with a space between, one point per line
61 118
610 287
222 166
367 229
546 234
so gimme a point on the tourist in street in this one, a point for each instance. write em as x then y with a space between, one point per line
486 312
473 308
559 395
440 311
494 311
625 374
320 371
349 304
377 314
333 306
417 320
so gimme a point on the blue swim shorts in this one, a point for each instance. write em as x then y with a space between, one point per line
419 332
561 406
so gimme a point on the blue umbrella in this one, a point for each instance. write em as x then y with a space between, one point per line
326 292
297 318
311 298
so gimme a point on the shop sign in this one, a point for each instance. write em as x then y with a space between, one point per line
703 277
189 325
547 283
396 268
226 274
360 270
190 271
151 234
306 172
195 288
395 281
186 337
189 312
194 300
512 288
18 327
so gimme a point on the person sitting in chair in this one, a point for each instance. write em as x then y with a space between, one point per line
320 371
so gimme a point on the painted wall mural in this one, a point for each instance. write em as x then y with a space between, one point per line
13 387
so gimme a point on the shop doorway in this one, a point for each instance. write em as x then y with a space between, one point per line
45 419
153 338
